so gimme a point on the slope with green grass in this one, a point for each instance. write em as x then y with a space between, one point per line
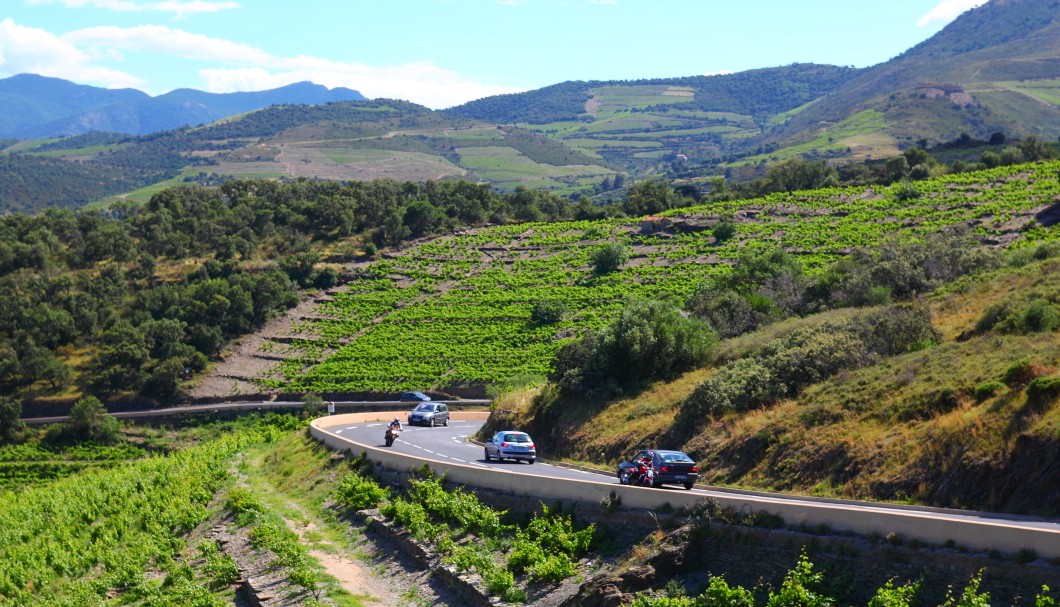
973 422
466 300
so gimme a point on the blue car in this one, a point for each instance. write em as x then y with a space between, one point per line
414 396
668 467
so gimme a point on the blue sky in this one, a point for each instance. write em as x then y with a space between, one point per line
444 52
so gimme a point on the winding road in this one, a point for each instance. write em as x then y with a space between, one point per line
448 449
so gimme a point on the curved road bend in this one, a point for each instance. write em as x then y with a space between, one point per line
450 444
346 406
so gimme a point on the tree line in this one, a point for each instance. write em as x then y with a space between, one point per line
131 299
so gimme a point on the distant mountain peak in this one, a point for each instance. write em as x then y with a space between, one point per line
34 106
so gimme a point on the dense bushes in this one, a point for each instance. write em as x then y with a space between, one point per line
649 340
781 368
113 286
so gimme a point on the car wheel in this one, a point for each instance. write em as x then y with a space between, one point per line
530 461
432 422
688 486
487 452
446 422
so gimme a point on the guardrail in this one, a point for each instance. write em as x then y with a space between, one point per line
252 406
981 531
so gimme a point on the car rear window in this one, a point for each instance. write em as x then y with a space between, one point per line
675 457
517 438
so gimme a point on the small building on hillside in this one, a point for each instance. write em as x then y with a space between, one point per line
653 224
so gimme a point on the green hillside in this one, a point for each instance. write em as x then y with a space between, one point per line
457 312
643 125
993 69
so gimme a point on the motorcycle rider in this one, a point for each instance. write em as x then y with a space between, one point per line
392 431
645 473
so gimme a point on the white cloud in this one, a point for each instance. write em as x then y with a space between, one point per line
163 40
423 83
180 8
31 50
230 66
948 10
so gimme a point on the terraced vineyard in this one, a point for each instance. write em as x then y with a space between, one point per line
456 311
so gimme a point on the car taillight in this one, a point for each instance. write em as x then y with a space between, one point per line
530 446
695 469
504 444
664 469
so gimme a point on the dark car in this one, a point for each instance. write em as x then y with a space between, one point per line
669 467
511 444
414 396
429 414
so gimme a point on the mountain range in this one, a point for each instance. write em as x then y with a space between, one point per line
33 106
995 70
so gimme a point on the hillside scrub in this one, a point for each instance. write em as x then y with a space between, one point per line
133 301
781 368
650 340
970 422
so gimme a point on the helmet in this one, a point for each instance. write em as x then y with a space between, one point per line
395 420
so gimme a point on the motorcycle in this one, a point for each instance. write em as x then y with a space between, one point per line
391 435
639 476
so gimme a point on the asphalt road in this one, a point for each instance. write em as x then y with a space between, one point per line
252 406
450 444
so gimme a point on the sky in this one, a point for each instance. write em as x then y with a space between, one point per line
442 53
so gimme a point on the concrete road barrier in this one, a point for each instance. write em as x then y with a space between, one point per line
974 530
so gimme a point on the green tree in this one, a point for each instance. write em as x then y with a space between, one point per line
547 312
11 424
800 174
724 230
649 340
649 197
609 258
89 421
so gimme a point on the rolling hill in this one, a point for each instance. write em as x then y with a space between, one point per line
33 107
995 69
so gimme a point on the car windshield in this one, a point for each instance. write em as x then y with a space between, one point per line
424 407
516 438
675 457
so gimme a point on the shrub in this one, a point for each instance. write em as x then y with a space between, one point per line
889 596
609 258
1043 390
359 493
906 191
649 340
90 421
723 231
728 312
547 312
987 389
1020 373
1039 316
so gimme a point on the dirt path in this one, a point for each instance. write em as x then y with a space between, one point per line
353 575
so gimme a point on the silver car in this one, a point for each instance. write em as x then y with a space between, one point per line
511 444
429 414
